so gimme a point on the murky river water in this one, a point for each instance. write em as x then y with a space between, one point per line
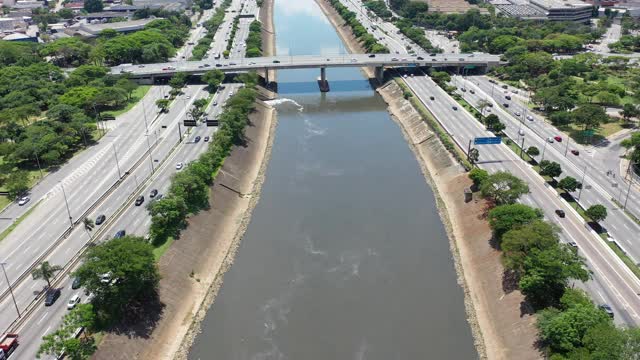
345 256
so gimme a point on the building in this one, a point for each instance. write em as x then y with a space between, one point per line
564 10
93 30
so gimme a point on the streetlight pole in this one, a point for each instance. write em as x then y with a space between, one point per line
567 147
584 173
149 149
38 162
10 288
117 163
66 203
543 149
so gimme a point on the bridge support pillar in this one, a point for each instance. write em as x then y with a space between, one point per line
322 81
379 73
266 76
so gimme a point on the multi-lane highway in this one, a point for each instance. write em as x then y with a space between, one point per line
613 281
602 183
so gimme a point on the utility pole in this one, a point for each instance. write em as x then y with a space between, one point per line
38 162
543 149
567 147
582 181
624 207
117 163
10 288
522 147
66 203
149 149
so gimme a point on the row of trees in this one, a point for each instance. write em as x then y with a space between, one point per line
254 39
379 8
190 188
369 42
212 25
416 34
570 325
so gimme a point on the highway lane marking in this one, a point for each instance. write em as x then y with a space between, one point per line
47 330
42 318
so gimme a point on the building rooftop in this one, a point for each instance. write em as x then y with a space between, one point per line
556 4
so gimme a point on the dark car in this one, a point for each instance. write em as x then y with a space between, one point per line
560 213
76 283
505 87
218 65
100 219
197 139
276 61
505 105
372 55
507 97
120 234
432 98
432 54
153 193
575 152
606 308
454 107
139 200
206 139
420 58
558 138
52 296
471 91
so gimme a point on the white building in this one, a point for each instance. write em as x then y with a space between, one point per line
564 10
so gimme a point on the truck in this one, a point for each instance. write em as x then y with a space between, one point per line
8 344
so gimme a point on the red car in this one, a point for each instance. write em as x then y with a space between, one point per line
558 138
575 152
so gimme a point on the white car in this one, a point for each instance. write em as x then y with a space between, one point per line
550 140
23 200
75 300
521 132
529 117
179 166
354 60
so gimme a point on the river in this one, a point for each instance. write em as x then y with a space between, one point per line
346 256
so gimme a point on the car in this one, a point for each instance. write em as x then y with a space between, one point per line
507 97
153 193
404 59
404 76
558 138
76 283
100 219
505 105
120 234
232 63
505 87
560 213
517 113
276 61
215 103
394 59
188 96
515 92
606 308
460 59
432 54
573 244
529 117
139 200
521 132
354 60
73 301
432 98
197 139
206 139
23 200
107 278
141 66
218 65
158 197
550 140
471 91
575 152
463 89
420 58
52 296
200 66
455 108
207 65
179 166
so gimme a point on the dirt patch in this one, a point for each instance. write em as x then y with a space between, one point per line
499 328
345 33
193 267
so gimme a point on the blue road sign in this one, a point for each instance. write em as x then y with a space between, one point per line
487 140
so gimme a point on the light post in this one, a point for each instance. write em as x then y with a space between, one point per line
38 162
66 203
624 207
10 288
543 149
117 163
584 173
150 156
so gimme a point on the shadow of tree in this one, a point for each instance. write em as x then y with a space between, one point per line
509 281
140 318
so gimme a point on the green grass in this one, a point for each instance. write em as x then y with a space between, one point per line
605 130
34 176
8 230
625 259
162 248
137 94
4 201
516 149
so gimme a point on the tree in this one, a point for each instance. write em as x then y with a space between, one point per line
88 225
533 151
597 212
478 175
503 188
589 116
550 168
483 104
491 121
63 339
168 217
519 242
46 272
178 81
511 216
163 105
127 85
213 78
629 111
569 184
564 330
133 276
93 5
17 183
